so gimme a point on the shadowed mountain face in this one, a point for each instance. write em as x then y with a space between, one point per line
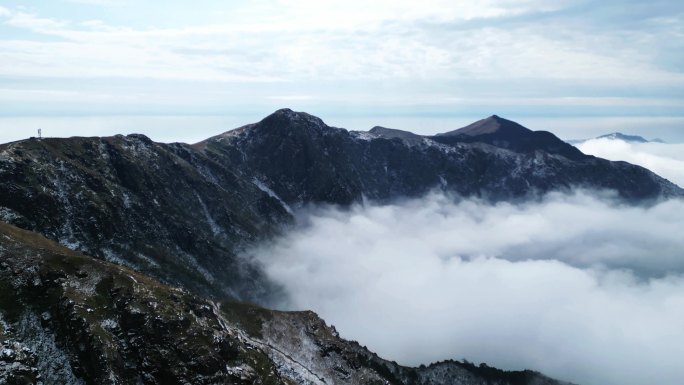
66 318
181 213
163 209
302 160
510 135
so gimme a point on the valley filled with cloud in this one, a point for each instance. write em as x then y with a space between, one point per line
578 286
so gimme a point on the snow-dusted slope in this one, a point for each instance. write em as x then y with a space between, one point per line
69 319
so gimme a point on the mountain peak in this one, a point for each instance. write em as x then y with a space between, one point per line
287 115
281 120
283 112
491 125
623 137
497 131
286 121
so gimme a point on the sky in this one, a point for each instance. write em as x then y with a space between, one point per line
578 286
183 71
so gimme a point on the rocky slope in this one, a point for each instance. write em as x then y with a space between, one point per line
510 135
302 160
66 318
163 209
182 213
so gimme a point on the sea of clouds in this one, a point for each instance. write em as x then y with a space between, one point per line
665 159
579 286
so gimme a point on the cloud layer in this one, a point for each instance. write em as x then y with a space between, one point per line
577 286
560 57
666 160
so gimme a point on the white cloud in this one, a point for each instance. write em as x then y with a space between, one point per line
575 286
430 57
302 39
105 3
32 22
666 160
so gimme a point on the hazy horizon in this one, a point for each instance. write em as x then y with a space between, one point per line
354 64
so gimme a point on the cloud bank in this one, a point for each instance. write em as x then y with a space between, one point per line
666 160
576 286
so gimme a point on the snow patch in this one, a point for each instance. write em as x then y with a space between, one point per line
263 187
126 200
440 146
215 228
138 148
192 261
53 363
111 256
8 215
362 135
109 324
6 156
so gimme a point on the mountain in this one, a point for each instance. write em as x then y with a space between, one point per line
510 135
138 218
619 136
623 137
182 213
164 209
302 160
67 318
391 133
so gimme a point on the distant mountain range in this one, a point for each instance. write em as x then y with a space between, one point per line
182 213
619 136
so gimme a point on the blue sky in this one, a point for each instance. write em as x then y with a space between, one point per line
436 63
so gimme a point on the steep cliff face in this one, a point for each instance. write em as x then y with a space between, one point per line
66 318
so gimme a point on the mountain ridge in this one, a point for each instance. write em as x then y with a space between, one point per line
71 319
619 136
181 214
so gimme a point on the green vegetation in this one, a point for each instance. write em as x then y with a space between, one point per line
248 316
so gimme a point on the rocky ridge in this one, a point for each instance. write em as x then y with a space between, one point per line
166 210
302 160
181 214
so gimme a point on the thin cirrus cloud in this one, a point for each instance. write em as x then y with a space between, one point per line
577 286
